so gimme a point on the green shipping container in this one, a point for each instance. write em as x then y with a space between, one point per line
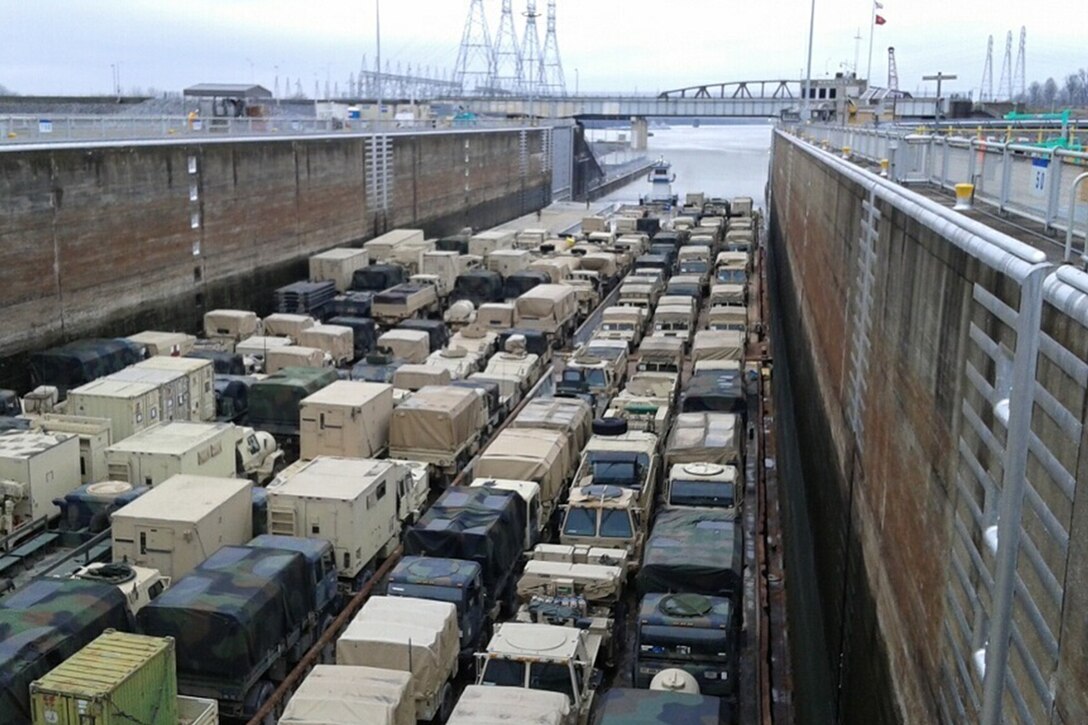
117 679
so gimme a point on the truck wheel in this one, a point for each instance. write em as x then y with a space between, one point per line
328 652
258 695
445 705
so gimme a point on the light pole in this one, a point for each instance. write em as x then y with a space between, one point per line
806 114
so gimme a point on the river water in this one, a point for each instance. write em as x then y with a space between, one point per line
726 161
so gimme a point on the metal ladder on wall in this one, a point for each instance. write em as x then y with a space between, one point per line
379 174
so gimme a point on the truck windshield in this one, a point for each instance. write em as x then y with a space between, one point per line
373 373
618 469
505 673
617 326
553 677
682 642
731 276
616 523
693 266
581 522
595 377
702 493
671 327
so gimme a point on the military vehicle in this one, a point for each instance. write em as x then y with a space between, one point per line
475 339
690 632
139 584
411 346
727 317
475 524
541 455
459 362
642 292
351 304
625 706
484 243
516 284
364 333
715 387
616 456
274 402
338 265
513 362
528 496
290 326
543 657
623 322
610 517
478 286
718 345
160 343
551 309
685 285
243 615
227 327
698 551
396 304
409 378
661 355
493 400
695 261
646 402
439 269
295 356
78 363
88 508
559 267
336 341
731 268
705 438
703 485
604 264
438 335
587 287
507 261
439 425
725 293
489 705
377 278
331 693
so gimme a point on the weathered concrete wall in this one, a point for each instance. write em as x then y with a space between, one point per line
901 345
110 240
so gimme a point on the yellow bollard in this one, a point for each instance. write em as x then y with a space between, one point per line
964 194
846 152
884 166
11 134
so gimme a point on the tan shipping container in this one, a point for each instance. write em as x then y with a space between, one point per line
381 248
347 418
95 436
347 695
154 455
181 522
130 407
173 389
283 324
36 468
337 265
336 340
164 343
201 375
231 324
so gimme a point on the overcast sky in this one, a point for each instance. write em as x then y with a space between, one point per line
68 46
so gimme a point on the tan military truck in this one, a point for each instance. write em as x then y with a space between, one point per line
551 309
718 345
438 425
646 402
404 302
411 346
491 705
231 326
254 350
475 339
336 341
543 456
727 317
457 361
704 485
661 354
294 356
622 322
282 324
507 261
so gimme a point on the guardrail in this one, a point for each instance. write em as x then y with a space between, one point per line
1016 178
22 129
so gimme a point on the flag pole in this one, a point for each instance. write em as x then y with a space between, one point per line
806 112
872 30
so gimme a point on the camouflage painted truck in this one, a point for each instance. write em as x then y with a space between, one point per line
242 618
275 401
625 706
44 623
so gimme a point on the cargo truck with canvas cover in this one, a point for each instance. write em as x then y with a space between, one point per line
661 355
725 293
646 402
410 346
164 344
696 551
231 326
715 388
491 705
528 496
410 378
626 706
690 632
274 401
349 502
543 657
295 356
676 321
703 485
291 326
606 267
404 301
572 417
516 284
478 286
483 525
732 268
543 456
587 595
615 456
80 362
419 636
351 695
558 267
44 623
439 425
705 438
728 317
718 345
376 278
347 418
336 341
640 292
239 618
622 322
550 308
587 287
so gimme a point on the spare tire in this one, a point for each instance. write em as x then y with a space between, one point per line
609 426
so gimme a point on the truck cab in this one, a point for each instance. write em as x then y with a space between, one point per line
587 284
691 632
377 278
731 268
590 378
528 493
456 581
703 485
478 286
518 283
321 564
619 457
605 516
661 354
624 323
543 657
674 321
139 584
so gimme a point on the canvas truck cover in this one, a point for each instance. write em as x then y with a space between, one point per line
727 294
275 400
705 438
569 415
351 695
718 345
82 361
337 340
732 260
475 524
277 359
412 346
385 628
236 324
437 418
595 582
557 302
231 610
698 551
718 391
529 454
601 262
415 377
283 324
651 385
721 315
45 623
661 349
490 705
628 706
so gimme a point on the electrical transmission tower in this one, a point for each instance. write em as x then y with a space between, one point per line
507 73
1019 79
531 65
1004 86
893 71
475 59
986 90
553 82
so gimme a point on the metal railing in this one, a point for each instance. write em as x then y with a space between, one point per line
24 129
1016 178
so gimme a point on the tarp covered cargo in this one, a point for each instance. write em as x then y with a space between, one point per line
601 262
475 339
529 454
414 377
336 340
704 438
548 302
732 260
235 324
228 613
385 628
718 391
628 706
80 362
349 695
164 343
457 361
661 350
476 524
277 359
284 324
728 294
412 346
698 551
43 624
595 582
722 317
437 418
718 345
491 705
570 415
274 401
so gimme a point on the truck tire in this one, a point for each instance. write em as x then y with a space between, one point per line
609 426
445 705
257 696
328 652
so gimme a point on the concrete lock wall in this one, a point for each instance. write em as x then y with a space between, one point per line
114 239
939 374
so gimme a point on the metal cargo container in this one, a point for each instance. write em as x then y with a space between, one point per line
349 502
164 343
485 243
117 679
347 418
36 468
173 389
231 324
95 436
201 375
348 695
182 521
154 455
81 362
336 341
293 357
338 265
381 248
129 407
283 324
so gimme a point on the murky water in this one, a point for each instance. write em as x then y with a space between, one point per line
722 161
